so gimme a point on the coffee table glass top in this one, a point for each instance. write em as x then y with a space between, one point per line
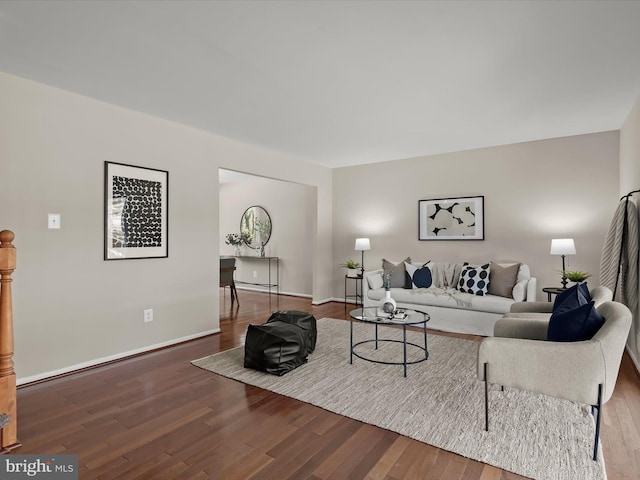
374 315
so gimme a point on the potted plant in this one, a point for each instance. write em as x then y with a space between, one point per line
263 228
351 266
576 275
236 239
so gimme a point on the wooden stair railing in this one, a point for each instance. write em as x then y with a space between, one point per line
9 432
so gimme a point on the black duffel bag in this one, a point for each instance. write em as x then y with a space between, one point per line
281 344
275 347
304 320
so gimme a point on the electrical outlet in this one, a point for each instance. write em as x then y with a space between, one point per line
53 221
255 274
148 315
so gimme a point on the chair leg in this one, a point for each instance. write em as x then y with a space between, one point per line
234 293
486 398
599 407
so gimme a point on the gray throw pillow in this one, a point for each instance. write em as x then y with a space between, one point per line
503 279
398 273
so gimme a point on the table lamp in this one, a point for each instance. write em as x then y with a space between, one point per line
362 244
563 247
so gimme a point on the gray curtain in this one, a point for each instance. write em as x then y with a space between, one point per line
619 261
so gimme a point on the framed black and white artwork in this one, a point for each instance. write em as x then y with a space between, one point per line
136 220
459 218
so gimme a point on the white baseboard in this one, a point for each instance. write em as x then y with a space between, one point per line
273 291
110 358
332 299
324 300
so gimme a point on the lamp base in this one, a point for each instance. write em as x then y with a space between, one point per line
564 279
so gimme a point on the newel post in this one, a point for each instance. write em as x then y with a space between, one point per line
7 375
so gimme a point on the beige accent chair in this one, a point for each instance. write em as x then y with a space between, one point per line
534 316
583 372
599 294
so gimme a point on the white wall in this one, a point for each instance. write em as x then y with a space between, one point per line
629 181
534 191
292 208
71 308
272 165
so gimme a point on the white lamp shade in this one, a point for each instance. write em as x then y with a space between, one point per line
363 244
563 246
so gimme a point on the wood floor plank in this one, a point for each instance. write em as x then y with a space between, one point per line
388 459
368 462
473 471
455 470
414 453
437 472
351 451
134 469
157 416
491 473
121 443
331 441
511 476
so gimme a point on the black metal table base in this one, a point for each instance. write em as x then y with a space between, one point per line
404 343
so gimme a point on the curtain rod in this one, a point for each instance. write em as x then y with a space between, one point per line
629 194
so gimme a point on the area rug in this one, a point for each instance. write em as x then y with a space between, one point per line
441 402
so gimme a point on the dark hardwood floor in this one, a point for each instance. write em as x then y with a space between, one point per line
157 416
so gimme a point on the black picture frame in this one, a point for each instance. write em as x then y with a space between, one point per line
136 212
458 218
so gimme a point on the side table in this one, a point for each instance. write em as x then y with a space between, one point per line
358 292
552 291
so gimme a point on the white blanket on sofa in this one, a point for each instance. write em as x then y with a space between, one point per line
421 298
445 275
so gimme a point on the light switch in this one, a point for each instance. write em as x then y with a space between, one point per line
54 220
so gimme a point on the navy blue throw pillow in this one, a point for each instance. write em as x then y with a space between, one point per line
571 298
418 277
561 297
575 325
422 277
584 289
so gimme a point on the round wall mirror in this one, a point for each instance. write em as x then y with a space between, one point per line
256 225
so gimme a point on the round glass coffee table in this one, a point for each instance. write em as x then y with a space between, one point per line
372 316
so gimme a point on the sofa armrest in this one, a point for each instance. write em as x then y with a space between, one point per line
532 290
569 370
600 294
522 327
531 307
365 286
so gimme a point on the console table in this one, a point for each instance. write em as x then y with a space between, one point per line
269 260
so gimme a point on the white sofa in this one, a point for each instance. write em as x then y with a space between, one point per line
451 310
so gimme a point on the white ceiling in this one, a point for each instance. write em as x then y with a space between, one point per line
342 83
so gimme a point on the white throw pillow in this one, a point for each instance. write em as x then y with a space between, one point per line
375 281
474 279
520 291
